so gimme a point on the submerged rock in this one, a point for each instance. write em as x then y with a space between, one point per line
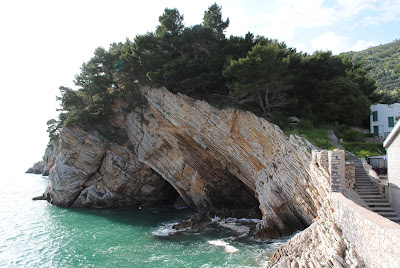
196 222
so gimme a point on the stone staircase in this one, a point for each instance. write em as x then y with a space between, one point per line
371 196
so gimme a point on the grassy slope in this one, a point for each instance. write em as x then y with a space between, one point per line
316 135
319 137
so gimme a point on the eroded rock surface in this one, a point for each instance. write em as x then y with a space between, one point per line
229 159
92 173
320 245
37 168
216 161
49 158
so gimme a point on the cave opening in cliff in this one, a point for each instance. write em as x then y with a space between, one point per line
224 196
233 198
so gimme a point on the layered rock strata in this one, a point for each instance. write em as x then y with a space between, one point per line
216 160
90 172
229 159
49 158
320 245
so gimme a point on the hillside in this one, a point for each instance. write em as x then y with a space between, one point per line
384 61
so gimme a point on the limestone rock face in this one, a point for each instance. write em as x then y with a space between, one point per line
79 157
90 173
37 168
124 181
320 245
49 158
216 161
229 159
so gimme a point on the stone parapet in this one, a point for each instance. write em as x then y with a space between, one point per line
375 238
336 163
321 158
350 175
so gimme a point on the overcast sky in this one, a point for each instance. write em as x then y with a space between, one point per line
44 43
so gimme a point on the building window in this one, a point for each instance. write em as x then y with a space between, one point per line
375 116
376 130
391 121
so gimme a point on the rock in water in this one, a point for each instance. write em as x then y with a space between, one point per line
37 168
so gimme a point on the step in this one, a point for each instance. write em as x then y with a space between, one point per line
372 187
395 219
375 200
387 214
375 197
383 209
367 194
364 191
377 204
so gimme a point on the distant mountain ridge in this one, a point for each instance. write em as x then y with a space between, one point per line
384 62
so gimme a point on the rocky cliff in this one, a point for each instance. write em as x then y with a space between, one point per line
320 245
90 172
215 160
49 158
37 168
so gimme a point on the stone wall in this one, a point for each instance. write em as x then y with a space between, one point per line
393 152
320 245
375 238
350 175
336 162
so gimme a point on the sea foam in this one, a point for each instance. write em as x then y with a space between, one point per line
220 243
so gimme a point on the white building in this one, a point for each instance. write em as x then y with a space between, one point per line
383 118
392 145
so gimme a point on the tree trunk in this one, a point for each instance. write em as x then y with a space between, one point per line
268 106
262 103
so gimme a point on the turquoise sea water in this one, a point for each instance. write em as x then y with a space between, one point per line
37 234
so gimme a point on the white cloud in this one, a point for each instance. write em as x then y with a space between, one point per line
363 44
330 41
386 11
285 19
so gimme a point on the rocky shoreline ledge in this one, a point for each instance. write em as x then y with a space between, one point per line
211 160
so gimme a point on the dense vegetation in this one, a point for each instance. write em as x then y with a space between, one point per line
253 73
383 63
